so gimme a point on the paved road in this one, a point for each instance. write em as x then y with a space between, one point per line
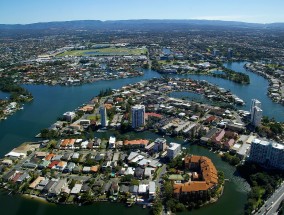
272 204
161 173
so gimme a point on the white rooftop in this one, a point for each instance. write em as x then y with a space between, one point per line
174 146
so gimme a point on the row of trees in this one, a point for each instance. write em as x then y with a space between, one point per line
263 183
231 159
17 93
237 77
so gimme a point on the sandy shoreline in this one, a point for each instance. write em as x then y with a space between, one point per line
34 197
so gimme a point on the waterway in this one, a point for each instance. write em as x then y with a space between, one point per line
257 89
51 102
4 95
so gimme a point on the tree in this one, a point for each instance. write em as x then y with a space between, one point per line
235 160
134 182
157 207
126 178
168 192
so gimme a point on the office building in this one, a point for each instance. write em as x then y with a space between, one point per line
216 52
173 150
267 153
256 116
160 145
256 112
254 103
138 116
103 114
69 116
230 53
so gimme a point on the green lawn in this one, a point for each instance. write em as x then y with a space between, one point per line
93 117
111 51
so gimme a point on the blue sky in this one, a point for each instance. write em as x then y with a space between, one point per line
31 11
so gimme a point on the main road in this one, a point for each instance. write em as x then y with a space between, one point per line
272 204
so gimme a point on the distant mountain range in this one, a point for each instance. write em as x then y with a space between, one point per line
136 24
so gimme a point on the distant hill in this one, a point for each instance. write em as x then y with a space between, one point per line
137 24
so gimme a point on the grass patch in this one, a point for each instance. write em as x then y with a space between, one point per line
92 117
70 198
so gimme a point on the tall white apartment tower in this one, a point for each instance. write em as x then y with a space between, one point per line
256 112
103 114
254 103
138 116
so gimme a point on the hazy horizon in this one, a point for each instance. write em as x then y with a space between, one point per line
54 21
34 11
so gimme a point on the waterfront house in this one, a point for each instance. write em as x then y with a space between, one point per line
106 187
114 188
97 142
36 182
133 189
56 189
49 186
7 162
15 155
69 116
76 189
136 143
16 177
23 177
42 184
9 175
142 189
85 188
111 142
124 189
152 189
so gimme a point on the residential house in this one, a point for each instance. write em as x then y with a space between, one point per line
139 172
76 189
56 190
152 188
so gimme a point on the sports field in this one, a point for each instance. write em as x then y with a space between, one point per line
111 51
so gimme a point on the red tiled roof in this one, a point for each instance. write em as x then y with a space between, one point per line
49 157
136 142
52 164
208 172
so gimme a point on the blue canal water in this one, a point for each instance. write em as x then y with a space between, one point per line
4 95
